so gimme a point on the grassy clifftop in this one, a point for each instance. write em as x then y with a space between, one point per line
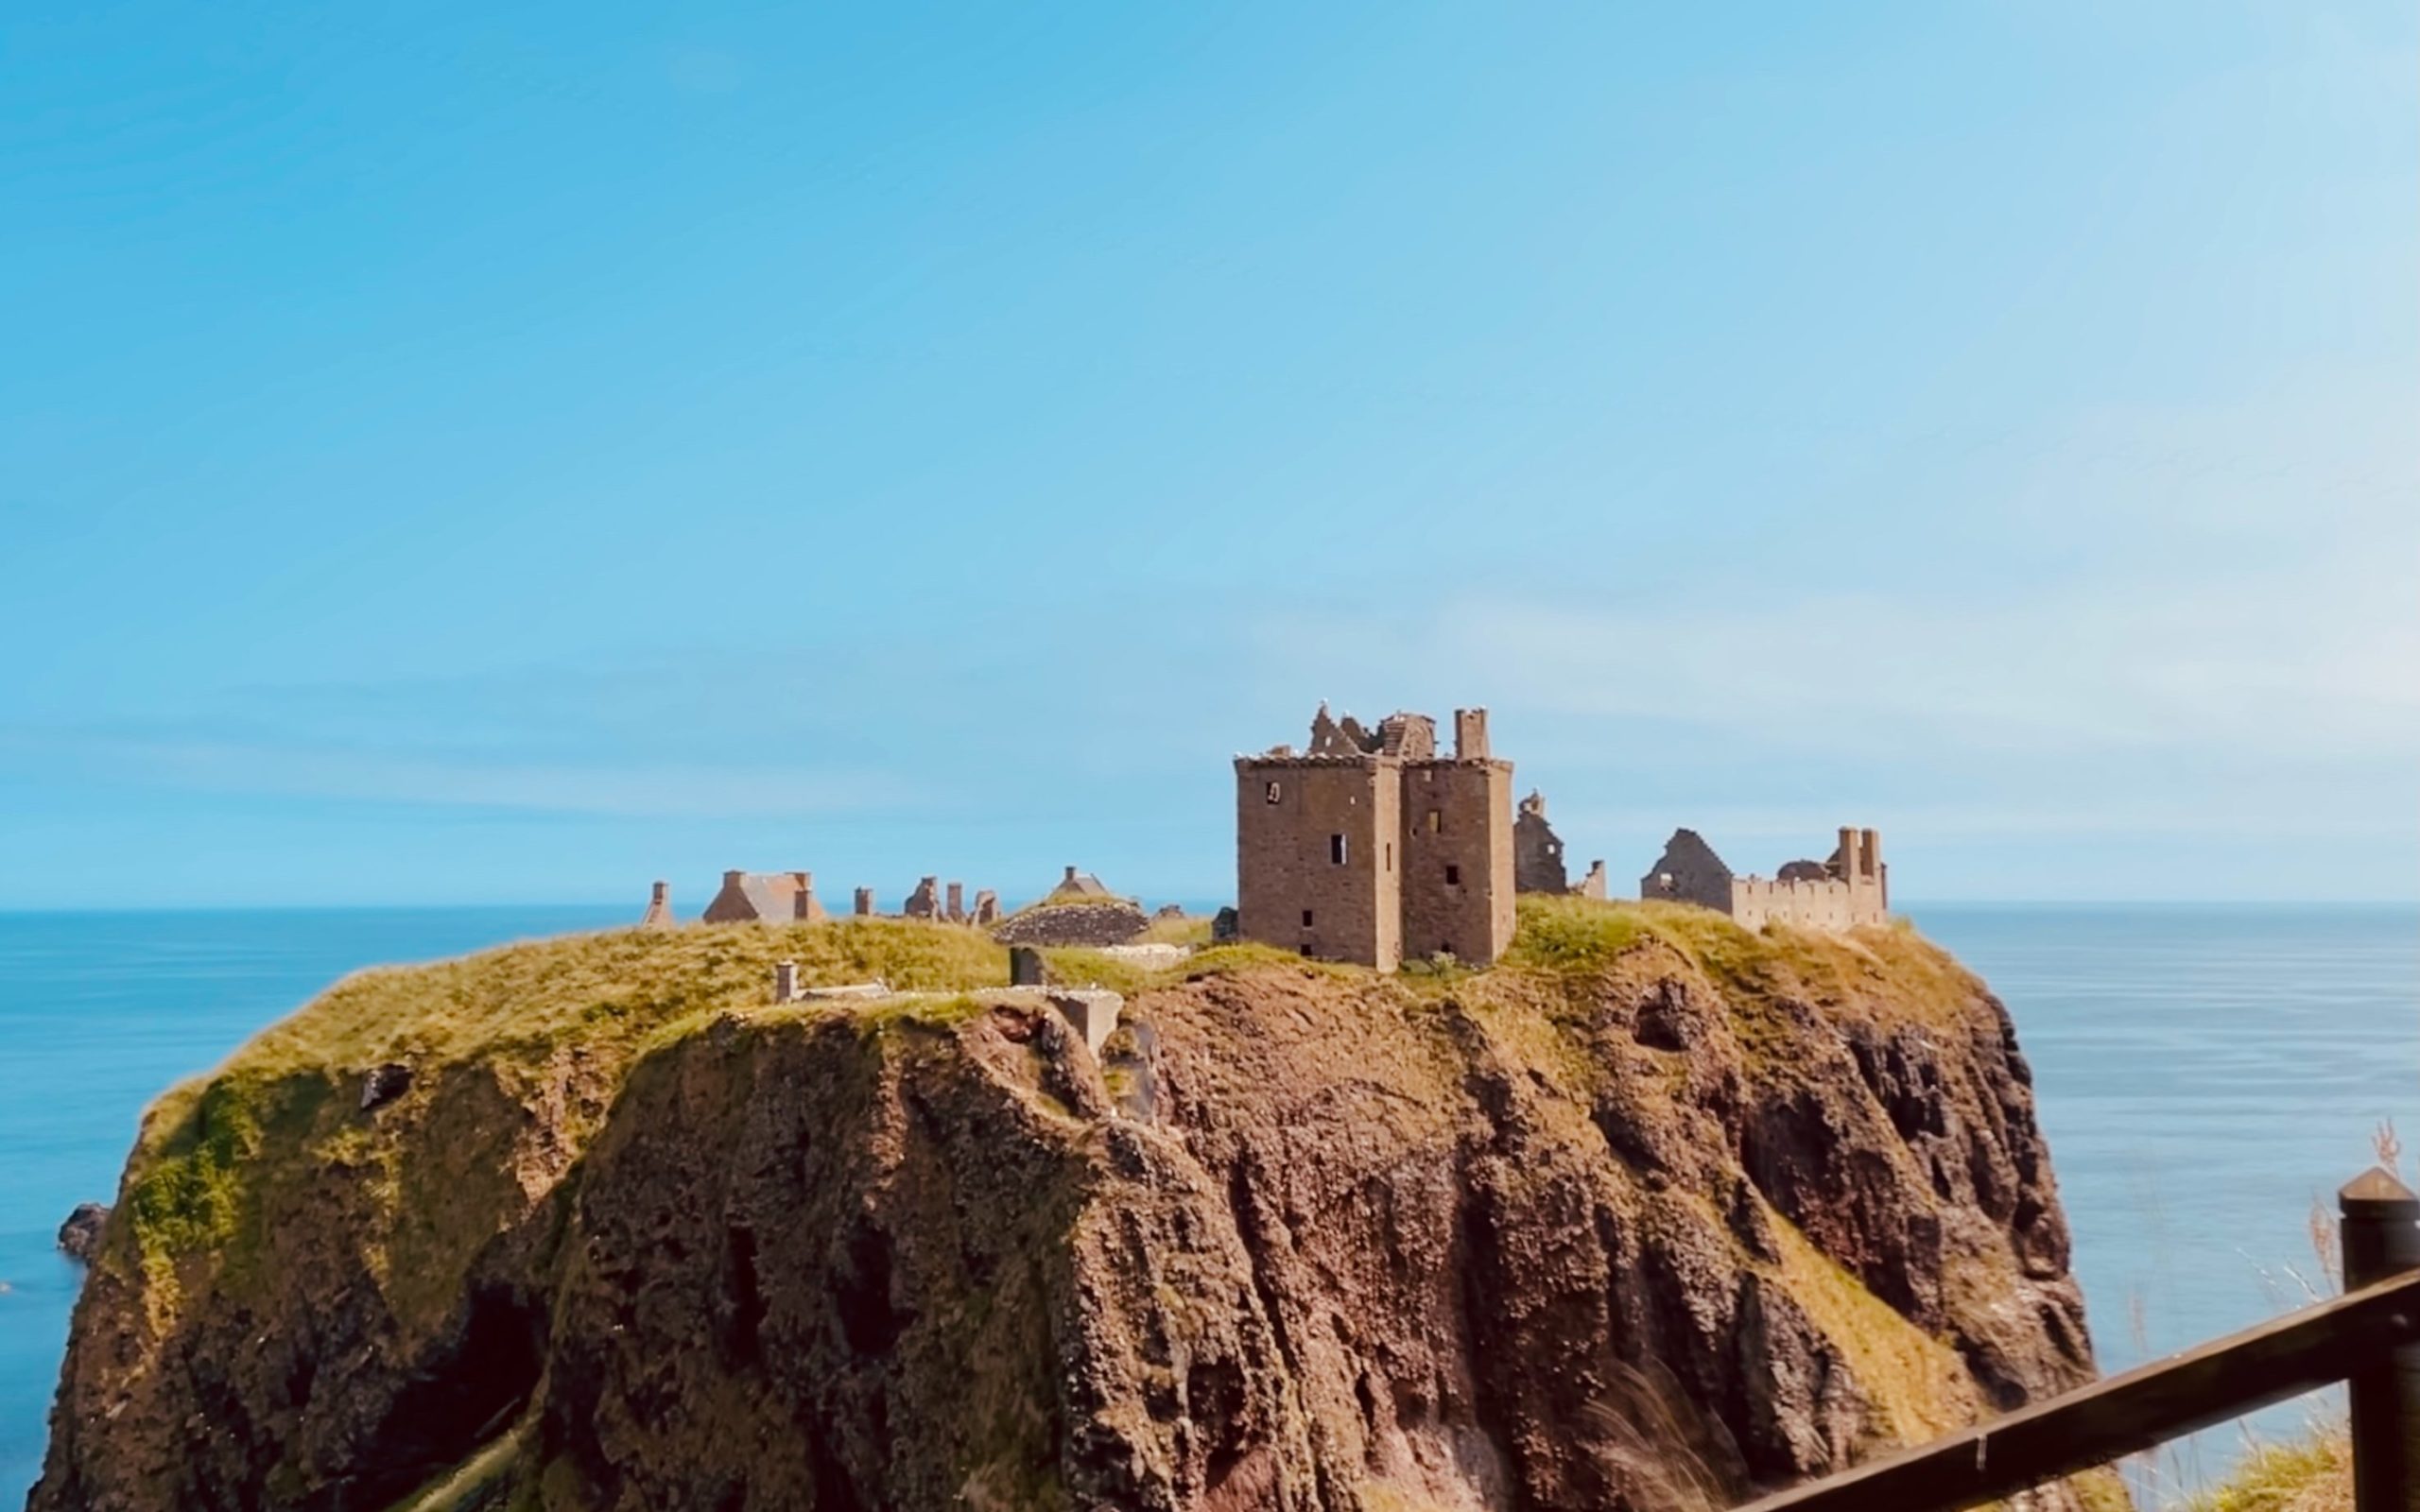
506 1194
605 999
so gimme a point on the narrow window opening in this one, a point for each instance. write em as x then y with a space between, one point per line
1274 793
1453 876
1306 918
1390 849
1336 850
1435 819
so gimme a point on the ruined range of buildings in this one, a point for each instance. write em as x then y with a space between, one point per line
1373 845
789 897
1851 888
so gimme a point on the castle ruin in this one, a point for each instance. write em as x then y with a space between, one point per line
1537 856
1370 845
765 897
1851 888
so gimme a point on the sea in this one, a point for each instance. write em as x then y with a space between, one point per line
2206 1077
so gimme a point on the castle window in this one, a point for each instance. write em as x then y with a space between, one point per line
1306 918
1453 876
1435 819
1390 855
1336 850
1273 792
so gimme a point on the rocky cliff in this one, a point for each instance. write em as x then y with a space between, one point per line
1656 1212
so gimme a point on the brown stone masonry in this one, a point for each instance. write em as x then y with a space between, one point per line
1370 844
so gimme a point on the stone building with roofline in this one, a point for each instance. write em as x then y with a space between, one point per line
1369 845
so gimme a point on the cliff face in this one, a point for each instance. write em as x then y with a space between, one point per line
1653 1213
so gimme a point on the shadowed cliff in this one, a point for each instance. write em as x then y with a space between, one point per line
1653 1212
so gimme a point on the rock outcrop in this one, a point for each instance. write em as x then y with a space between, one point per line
1653 1213
79 1237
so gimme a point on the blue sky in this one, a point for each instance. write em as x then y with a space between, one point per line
468 453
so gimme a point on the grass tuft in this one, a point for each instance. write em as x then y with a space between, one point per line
2313 1475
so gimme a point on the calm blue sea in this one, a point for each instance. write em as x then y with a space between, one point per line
2205 1076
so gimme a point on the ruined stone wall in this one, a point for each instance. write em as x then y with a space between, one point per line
1458 876
1537 850
1756 902
1315 855
1850 890
1688 872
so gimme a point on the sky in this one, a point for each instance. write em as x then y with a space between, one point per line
503 452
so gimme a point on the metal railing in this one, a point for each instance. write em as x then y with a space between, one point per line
2369 1338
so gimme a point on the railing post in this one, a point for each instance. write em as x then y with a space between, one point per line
2382 1234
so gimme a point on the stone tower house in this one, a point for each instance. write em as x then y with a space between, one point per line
1369 845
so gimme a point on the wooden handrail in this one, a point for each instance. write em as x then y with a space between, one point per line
2110 1420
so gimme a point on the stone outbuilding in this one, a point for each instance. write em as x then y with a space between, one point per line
1078 887
765 897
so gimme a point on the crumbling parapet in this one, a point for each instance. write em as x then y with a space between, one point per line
925 902
1593 884
987 907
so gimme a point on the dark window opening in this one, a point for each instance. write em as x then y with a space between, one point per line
1306 918
1336 850
1390 855
1453 876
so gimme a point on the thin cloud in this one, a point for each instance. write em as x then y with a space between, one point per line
673 790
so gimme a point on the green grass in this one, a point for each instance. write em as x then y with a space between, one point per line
2314 1475
1076 965
605 989
481 1481
1188 930
209 1145
1884 970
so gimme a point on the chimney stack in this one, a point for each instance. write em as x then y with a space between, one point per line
865 902
1470 734
1870 854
